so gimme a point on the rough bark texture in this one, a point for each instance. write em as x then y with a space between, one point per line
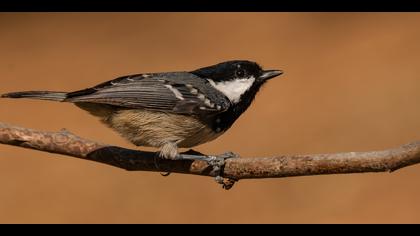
69 144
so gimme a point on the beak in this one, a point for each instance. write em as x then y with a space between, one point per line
269 74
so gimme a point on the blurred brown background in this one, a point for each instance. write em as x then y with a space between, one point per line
351 83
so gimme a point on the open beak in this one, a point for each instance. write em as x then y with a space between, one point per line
269 74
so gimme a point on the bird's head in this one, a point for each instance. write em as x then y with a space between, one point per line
236 79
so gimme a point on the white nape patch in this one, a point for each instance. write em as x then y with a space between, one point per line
233 89
175 91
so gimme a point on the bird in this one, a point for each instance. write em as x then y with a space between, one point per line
169 110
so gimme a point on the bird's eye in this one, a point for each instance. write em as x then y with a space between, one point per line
240 73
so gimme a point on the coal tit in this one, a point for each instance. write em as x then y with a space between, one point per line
172 109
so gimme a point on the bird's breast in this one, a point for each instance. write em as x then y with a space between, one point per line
152 128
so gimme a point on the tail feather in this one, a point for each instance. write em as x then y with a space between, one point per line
43 95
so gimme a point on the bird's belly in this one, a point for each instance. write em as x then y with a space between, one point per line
154 129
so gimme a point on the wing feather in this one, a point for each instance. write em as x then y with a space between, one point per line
152 92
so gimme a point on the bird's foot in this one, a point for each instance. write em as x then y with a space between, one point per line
227 183
217 163
166 174
156 161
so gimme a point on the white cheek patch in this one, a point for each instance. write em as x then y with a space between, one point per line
175 91
233 89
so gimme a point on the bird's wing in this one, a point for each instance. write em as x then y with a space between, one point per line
176 92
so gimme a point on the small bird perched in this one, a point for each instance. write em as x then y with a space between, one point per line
172 109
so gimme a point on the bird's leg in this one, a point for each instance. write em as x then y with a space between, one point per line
216 162
168 151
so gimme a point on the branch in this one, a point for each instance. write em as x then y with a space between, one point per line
69 144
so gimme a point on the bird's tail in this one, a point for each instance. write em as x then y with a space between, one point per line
43 95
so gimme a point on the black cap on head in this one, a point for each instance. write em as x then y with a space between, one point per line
236 69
